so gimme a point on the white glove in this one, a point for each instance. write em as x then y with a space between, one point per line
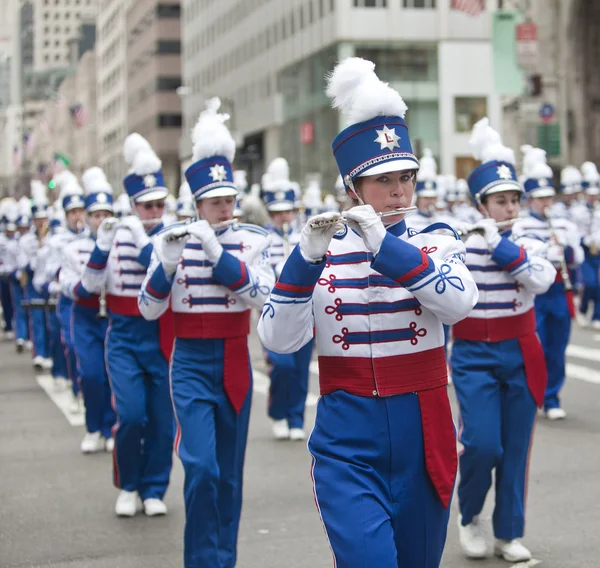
54 288
135 225
555 254
170 249
369 225
490 232
210 244
106 234
314 241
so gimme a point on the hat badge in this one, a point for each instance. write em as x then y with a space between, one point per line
149 180
428 185
101 198
504 172
542 182
218 173
280 195
387 138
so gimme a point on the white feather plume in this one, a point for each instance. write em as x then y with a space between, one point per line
240 179
71 188
570 175
359 94
24 207
278 173
185 192
487 144
38 192
312 195
428 167
10 209
132 145
210 136
94 181
123 204
145 162
64 178
534 163
462 187
590 172
339 184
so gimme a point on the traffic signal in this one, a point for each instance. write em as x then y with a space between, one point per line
535 85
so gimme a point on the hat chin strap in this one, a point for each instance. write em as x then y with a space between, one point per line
348 181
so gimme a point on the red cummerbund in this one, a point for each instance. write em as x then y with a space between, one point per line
211 325
93 302
495 329
384 376
123 305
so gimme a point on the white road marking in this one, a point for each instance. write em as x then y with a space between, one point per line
596 337
528 564
314 368
589 353
583 373
61 399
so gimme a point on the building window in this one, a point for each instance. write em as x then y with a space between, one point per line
370 3
467 111
419 3
168 10
168 120
168 83
168 46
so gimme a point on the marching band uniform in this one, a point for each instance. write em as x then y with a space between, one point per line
5 295
383 446
185 203
426 187
211 281
288 373
137 350
463 210
88 325
555 308
498 366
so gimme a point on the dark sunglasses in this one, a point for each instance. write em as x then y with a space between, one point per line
154 204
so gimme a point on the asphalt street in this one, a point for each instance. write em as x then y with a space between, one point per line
56 505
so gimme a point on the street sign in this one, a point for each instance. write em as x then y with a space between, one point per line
527 45
548 138
547 113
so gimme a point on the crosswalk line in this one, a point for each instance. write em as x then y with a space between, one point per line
61 399
581 352
583 373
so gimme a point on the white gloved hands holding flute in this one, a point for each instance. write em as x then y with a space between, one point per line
315 239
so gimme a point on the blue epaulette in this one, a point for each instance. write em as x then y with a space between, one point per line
252 228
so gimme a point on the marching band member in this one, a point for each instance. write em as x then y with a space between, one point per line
29 243
426 193
13 312
122 206
498 365
463 210
185 203
289 372
590 267
89 325
170 214
383 446
137 351
555 308
212 272
5 297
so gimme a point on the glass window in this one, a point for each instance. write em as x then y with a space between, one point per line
168 83
467 111
402 64
419 3
168 46
370 3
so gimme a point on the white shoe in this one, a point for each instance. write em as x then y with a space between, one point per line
9 335
582 319
154 507
110 444
297 434
511 550
60 384
38 363
472 538
29 345
596 324
281 430
556 414
20 345
92 443
128 504
47 364
75 406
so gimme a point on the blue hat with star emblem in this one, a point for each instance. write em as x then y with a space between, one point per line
497 172
427 176
278 192
537 174
39 201
377 139
145 181
591 178
98 192
213 151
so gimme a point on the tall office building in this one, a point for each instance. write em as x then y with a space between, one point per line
267 60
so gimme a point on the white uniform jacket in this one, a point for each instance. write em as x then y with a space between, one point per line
10 258
75 258
375 318
52 257
212 300
281 248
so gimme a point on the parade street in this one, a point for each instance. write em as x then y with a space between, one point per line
58 505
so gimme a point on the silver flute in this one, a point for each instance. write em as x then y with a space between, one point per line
170 237
480 231
320 223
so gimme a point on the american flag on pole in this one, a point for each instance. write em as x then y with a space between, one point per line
471 7
80 115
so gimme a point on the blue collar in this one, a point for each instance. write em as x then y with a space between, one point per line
424 214
279 231
397 229
537 216
156 229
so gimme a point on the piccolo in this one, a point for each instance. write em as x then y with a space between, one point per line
480 231
320 223
175 236
118 223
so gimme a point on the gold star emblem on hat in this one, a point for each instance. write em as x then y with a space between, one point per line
387 138
218 173
150 180
504 172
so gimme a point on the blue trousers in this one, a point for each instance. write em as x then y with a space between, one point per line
144 432
497 415
63 311
289 385
37 321
7 306
374 495
554 329
59 361
591 285
89 334
211 445
21 318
